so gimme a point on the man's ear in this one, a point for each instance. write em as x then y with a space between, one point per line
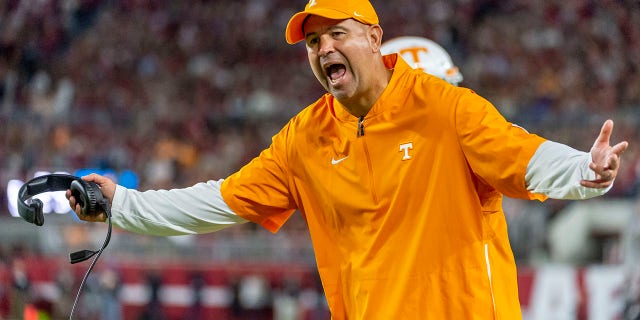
375 37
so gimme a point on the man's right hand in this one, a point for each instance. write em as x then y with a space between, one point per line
108 189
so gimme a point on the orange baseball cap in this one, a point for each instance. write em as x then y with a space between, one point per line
360 10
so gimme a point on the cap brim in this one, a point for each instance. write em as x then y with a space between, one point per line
294 32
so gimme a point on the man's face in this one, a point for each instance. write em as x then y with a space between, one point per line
340 53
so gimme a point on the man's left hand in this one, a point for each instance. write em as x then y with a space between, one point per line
605 158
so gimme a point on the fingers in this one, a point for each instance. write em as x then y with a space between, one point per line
612 161
75 206
620 148
94 177
606 159
77 209
604 176
102 217
107 188
605 133
605 173
596 184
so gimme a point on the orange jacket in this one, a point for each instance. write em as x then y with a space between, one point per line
406 220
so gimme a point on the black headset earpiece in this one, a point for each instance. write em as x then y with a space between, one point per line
37 217
87 194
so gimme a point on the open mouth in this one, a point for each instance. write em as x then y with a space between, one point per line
335 72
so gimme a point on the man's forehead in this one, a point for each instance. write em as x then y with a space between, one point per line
313 23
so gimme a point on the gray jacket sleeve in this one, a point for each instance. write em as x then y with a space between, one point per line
555 170
196 209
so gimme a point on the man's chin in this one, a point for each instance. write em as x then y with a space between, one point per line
339 92
340 95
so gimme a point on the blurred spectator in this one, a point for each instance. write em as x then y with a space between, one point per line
527 222
234 307
197 308
314 300
286 305
255 296
110 285
38 309
65 284
21 288
153 309
631 261
4 297
90 303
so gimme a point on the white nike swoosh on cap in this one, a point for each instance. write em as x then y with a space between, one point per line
355 13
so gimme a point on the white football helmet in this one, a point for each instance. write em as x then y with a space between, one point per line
422 53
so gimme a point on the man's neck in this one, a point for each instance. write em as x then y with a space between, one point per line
361 104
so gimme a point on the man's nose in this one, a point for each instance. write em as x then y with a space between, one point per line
326 45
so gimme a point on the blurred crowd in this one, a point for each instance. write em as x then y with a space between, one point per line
42 288
185 91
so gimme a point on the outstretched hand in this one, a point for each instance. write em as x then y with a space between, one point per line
605 158
108 189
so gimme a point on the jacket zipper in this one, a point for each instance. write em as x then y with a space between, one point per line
361 126
367 156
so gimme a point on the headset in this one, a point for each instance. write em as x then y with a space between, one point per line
87 194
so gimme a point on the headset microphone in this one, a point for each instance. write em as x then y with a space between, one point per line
87 195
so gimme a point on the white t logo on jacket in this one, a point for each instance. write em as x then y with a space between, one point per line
405 147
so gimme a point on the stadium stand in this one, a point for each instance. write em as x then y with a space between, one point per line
182 91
